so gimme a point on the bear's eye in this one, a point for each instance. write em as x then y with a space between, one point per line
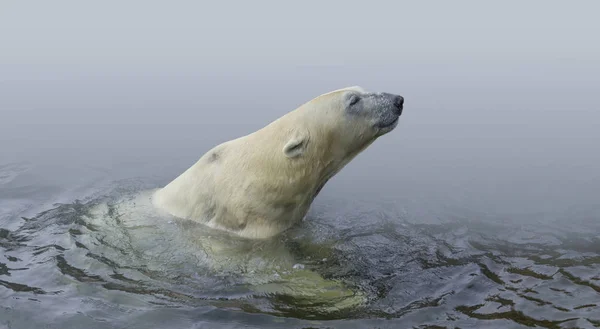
353 99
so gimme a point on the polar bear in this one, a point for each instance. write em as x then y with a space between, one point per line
261 184
215 219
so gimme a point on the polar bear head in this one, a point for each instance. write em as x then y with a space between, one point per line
342 122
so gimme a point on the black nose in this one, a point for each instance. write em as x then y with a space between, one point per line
399 102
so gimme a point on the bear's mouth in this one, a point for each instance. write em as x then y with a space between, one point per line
389 124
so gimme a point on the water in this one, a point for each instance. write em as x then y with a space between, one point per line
72 256
473 213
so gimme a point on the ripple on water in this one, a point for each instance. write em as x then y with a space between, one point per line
87 263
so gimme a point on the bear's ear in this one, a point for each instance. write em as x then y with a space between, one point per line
296 145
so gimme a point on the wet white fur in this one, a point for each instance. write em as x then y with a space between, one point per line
252 187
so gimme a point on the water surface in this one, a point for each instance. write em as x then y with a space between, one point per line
416 264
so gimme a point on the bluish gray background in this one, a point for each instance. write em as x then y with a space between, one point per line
502 98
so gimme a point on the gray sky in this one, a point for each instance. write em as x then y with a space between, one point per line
501 97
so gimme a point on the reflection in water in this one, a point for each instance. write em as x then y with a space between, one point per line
108 261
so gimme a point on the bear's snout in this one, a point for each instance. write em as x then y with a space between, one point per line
397 102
